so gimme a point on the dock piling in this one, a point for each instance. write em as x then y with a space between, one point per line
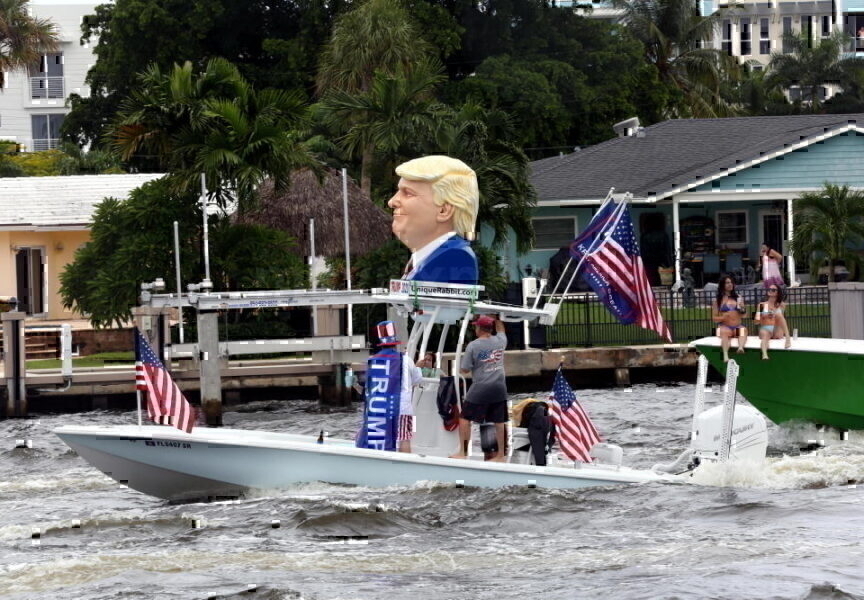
15 363
211 382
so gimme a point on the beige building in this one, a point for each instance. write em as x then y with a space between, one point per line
43 221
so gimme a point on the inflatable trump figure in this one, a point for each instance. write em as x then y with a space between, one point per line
434 214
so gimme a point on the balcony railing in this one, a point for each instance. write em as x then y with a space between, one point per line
47 87
44 144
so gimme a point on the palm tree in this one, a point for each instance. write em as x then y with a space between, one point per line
395 110
675 36
480 138
810 64
23 39
828 223
378 36
374 47
213 123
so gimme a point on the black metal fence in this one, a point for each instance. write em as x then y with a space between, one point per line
584 321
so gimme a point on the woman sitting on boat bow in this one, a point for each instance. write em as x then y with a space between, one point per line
728 311
772 322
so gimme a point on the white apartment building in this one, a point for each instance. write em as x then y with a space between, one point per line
33 102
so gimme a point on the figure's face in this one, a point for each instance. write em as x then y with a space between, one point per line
415 216
729 285
763 249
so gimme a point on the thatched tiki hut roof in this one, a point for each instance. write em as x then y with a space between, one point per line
307 198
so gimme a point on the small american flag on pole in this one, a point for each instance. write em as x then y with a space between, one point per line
166 404
614 269
576 433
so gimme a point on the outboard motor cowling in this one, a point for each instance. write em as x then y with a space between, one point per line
749 434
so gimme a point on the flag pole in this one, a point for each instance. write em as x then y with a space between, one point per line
138 400
570 260
613 220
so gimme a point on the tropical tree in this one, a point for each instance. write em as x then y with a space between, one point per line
372 56
375 124
829 224
213 123
23 38
129 242
274 44
378 36
484 139
810 64
675 38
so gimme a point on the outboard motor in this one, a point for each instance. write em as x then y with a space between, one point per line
749 434
724 432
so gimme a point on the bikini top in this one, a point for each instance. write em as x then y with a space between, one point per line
768 311
729 305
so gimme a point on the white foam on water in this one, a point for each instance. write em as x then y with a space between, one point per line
800 433
83 479
815 470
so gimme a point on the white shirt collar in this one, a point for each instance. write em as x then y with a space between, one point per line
423 253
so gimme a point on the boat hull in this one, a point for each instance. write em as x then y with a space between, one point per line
817 380
218 463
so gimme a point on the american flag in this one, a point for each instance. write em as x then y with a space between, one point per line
576 433
614 270
166 404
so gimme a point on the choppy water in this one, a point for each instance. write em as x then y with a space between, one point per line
791 527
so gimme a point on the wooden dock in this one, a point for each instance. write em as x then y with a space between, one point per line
303 373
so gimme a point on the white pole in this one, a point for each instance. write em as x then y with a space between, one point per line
347 245
206 239
312 259
177 270
138 400
790 233
676 238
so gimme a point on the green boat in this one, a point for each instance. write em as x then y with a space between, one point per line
818 380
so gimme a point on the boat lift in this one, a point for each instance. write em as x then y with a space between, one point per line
427 303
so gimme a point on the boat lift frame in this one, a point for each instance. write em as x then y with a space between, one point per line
428 303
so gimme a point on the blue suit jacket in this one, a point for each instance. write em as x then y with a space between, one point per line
452 262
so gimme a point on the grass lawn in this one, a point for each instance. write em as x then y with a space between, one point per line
93 360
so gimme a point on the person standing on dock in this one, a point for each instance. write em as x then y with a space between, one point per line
486 401
434 214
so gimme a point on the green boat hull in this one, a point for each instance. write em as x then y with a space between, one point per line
822 387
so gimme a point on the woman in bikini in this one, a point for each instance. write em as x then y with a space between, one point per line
727 313
772 322
769 262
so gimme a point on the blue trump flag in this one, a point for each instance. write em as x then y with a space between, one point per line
613 268
381 414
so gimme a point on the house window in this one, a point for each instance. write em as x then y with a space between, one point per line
764 39
731 227
551 233
746 45
807 29
46 131
46 77
855 29
787 31
726 42
826 26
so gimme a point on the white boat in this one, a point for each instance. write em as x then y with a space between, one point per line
214 463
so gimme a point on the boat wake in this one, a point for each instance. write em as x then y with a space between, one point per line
829 467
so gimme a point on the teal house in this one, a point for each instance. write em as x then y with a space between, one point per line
705 193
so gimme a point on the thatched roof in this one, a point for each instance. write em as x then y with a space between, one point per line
307 198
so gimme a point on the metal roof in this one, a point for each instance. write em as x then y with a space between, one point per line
58 203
